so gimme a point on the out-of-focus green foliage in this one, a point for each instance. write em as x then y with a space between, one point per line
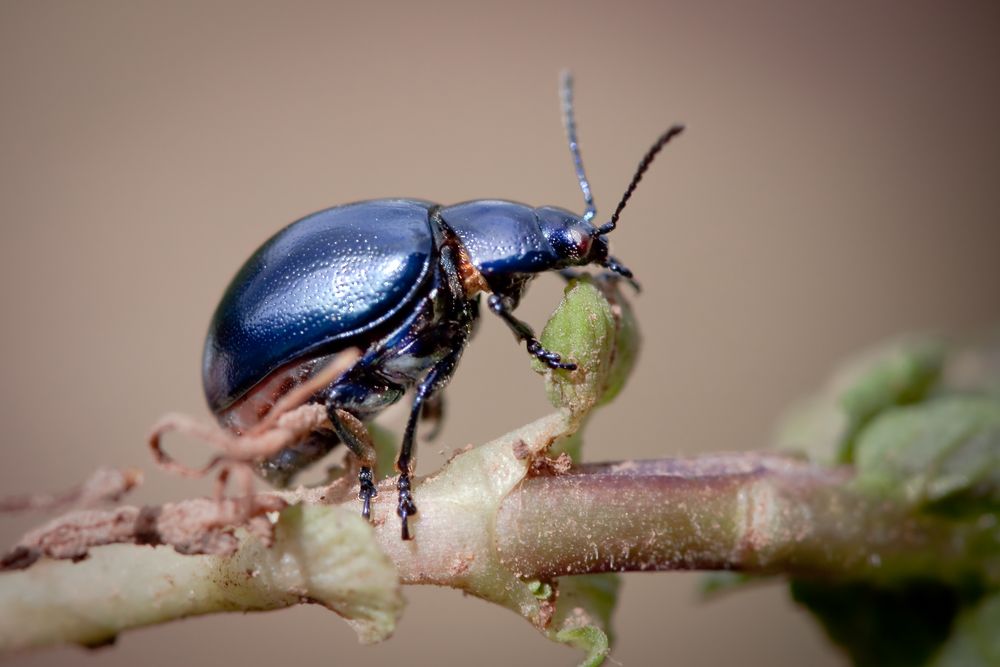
942 455
879 626
975 637
921 443
903 374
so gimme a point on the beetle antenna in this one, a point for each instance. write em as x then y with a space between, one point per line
647 160
569 120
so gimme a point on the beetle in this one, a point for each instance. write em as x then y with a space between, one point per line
398 280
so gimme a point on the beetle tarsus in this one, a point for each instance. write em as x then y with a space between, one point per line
406 506
550 359
502 308
367 492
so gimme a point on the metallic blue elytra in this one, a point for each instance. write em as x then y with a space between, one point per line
400 281
313 287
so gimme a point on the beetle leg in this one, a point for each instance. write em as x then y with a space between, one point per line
524 332
354 434
427 390
361 392
433 411
616 267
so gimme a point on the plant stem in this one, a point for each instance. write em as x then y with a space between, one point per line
749 512
496 518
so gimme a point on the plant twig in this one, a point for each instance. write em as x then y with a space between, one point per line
488 528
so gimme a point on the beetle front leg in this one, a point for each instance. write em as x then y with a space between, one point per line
500 307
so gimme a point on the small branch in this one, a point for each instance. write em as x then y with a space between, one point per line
320 556
486 527
751 512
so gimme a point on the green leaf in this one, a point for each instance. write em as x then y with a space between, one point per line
882 627
942 455
903 374
588 638
583 614
628 340
581 330
975 639
826 426
540 589
594 326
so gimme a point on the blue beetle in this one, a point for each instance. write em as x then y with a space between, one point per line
398 280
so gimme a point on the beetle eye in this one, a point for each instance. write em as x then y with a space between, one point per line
582 242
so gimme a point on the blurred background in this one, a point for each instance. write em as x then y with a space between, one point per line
837 185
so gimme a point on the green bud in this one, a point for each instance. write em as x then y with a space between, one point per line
595 328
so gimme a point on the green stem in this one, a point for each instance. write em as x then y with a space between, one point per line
750 512
489 528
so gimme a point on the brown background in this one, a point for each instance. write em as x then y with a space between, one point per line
838 184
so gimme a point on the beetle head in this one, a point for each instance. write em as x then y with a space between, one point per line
573 239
